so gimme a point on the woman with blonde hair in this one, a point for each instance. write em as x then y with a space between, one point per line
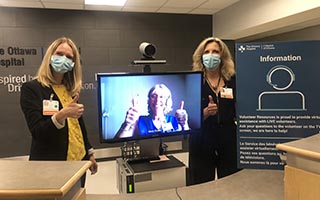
214 150
158 120
51 109
73 79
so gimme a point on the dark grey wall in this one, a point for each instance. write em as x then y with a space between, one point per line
108 42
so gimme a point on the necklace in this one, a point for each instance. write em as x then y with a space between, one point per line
214 87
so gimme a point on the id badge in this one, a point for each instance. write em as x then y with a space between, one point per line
227 93
50 107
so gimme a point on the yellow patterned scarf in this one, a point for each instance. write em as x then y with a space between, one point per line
76 148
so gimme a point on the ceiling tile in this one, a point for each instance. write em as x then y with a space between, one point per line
100 7
204 11
21 3
154 6
173 10
217 4
63 1
139 9
183 3
145 3
63 5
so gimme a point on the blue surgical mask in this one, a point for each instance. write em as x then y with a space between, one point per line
211 61
61 64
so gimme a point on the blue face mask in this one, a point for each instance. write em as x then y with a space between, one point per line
211 61
61 64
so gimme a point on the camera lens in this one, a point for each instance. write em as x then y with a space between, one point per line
147 49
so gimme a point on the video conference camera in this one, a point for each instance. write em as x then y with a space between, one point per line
148 50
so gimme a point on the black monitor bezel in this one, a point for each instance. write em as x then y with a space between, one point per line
128 139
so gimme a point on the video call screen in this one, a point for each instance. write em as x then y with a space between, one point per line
135 106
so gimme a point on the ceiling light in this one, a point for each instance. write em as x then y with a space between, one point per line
106 2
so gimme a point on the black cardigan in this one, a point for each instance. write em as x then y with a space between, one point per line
48 142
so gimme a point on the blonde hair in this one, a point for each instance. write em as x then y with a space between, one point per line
166 93
73 79
227 68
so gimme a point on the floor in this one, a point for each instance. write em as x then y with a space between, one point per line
105 181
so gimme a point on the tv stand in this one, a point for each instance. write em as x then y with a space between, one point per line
143 176
144 159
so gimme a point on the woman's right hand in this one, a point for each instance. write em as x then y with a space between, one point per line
132 116
211 109
128 127
73 110
133 112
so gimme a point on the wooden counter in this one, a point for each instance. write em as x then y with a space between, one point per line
303 153
302 170
26 180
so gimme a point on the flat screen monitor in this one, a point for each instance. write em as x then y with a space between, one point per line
135 106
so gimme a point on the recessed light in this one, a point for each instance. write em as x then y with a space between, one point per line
106 2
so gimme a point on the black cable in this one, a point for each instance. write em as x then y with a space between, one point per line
178 194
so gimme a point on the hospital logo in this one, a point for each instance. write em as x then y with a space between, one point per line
241 49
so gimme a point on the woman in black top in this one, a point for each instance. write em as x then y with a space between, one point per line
215 147
51 108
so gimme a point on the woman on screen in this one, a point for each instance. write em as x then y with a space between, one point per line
158 120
